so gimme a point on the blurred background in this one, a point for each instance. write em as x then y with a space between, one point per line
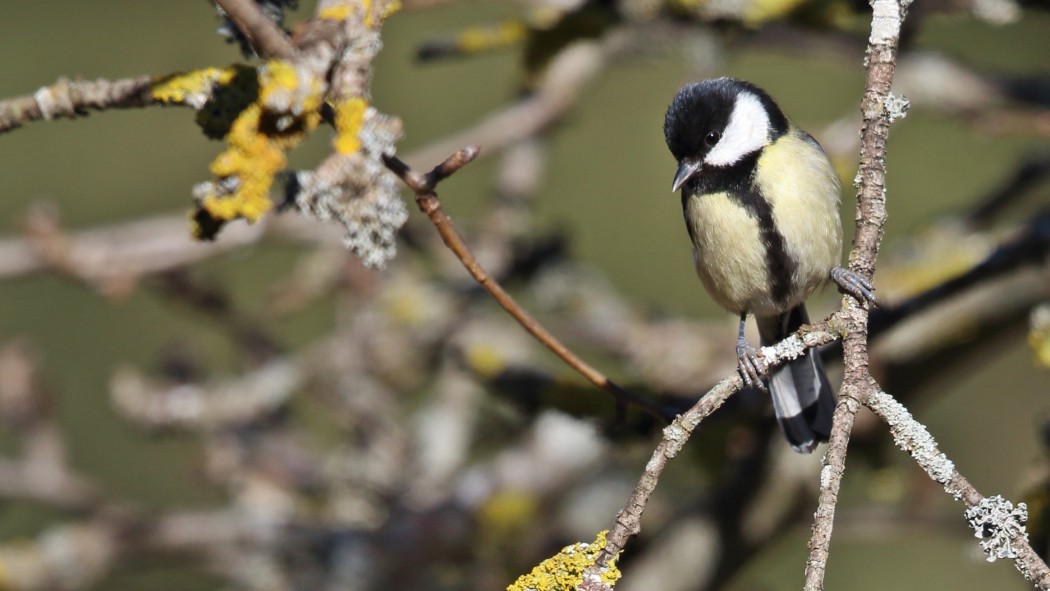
345 428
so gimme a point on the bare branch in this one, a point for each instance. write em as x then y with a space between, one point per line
266 38
428 203
557 93
71 99
834 466
877 115
186 406
111 255
42 472
45 483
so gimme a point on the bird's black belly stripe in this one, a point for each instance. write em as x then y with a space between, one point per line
781 266
738 181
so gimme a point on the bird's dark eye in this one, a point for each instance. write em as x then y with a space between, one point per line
712 138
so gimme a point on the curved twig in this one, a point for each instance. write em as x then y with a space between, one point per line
428 202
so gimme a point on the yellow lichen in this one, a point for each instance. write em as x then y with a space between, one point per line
686 5
405 302
287 108
545 17
485 360
934 255
277 75
757 12
176 89
349 115
1039 336
508 511
283 88
389 8
486 38
253 159
564 571
1040 342
227 100
341 12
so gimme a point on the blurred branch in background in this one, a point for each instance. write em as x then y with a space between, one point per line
421 440
426 198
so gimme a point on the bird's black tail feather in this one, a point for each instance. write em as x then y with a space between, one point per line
802 396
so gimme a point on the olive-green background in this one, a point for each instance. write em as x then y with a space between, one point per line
607 184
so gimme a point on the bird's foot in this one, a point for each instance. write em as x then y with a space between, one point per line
854 284
749 364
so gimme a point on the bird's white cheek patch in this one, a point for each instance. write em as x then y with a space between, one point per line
747 132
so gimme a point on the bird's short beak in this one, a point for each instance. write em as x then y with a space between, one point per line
686 170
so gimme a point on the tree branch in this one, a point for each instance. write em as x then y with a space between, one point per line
628 521
108 256
71 98
1000 541
875 107
428 202
265 37
563 83
834 465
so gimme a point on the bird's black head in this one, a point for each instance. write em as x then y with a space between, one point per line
716 123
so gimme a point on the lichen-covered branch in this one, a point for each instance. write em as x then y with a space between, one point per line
70 99
1001 530
352 185
265 111
878 109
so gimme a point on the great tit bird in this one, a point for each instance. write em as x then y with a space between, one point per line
761 204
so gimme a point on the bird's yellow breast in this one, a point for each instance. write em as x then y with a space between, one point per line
726 251
732 256
796 177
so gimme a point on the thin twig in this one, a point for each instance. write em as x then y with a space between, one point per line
265 37
428 202
887 16
72 98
